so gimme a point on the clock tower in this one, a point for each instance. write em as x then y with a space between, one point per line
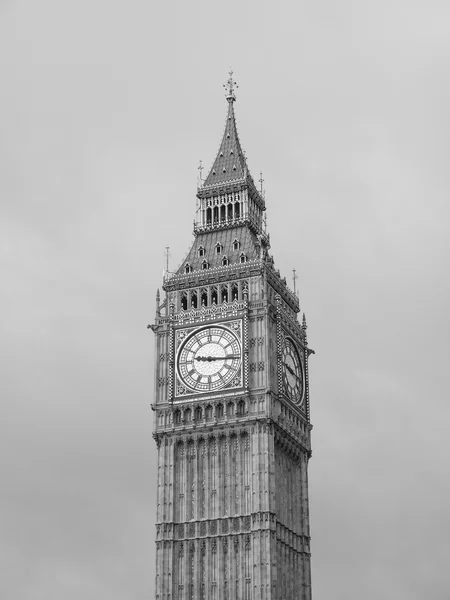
231 405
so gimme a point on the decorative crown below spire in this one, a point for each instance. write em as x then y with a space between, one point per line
229 86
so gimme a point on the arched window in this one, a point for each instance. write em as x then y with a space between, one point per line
214 295
205 265
230 212
216 214
204 297
219 411
234 291
218 248
241 408
177 417
236 245
225 261
184 301
187 415
223 211
209 412
242 258
237 210
208 216
224 293
198 413
230 409
188 268
201 251
194 299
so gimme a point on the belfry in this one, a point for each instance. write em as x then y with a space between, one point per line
231 405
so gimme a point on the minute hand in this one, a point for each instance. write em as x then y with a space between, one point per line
211 358
292 371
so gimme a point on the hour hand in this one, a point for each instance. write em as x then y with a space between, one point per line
205 358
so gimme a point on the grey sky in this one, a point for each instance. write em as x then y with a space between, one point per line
106 108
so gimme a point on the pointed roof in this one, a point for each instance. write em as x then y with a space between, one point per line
247 245
230 164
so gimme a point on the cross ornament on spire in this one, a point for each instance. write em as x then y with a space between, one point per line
229 87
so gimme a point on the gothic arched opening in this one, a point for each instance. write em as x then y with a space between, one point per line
204 298
184 301
224 293
241 407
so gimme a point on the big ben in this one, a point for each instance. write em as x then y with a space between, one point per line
231 405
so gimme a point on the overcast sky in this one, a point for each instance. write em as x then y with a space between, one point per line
106 108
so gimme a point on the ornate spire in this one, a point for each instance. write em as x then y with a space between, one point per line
230 180
230 164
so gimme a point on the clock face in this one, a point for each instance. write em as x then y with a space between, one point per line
209 359
292 372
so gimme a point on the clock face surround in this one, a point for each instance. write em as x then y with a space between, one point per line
292 372
209 359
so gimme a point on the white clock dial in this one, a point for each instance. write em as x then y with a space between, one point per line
209 359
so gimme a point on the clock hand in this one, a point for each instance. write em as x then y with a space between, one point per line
211 358
291 370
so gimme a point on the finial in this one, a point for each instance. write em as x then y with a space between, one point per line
229 86
261 181
158 307
304 321
200 169
295 277
167 258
